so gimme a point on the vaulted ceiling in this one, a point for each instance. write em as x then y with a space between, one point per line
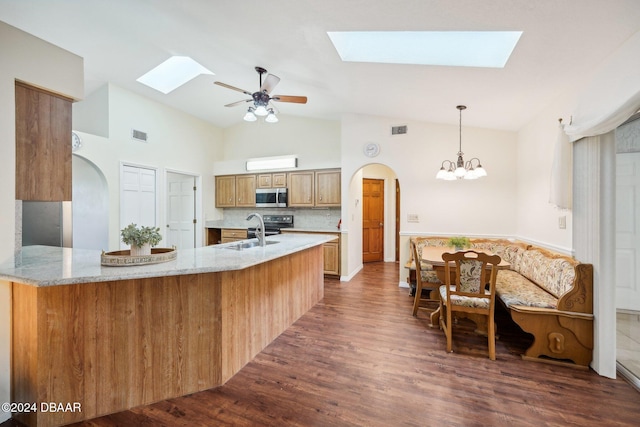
563 42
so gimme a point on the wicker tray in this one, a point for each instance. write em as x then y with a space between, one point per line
125 259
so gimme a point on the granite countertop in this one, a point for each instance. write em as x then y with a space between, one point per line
49 266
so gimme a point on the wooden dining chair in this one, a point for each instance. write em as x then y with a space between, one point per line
469 294
426 278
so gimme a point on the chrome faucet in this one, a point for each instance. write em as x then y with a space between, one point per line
260 230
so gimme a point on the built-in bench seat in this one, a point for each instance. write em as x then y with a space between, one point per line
549 295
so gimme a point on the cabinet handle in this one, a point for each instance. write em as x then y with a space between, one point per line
320 198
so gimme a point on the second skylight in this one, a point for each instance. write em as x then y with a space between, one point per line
489 49
172 73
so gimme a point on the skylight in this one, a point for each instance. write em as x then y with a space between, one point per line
173 73
449 48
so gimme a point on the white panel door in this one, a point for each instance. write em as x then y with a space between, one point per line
627 232
137 197
181 210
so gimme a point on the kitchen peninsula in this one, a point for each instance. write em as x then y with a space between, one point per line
113 338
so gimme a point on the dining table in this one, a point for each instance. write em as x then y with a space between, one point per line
433 255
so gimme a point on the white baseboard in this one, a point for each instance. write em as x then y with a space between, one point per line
350 276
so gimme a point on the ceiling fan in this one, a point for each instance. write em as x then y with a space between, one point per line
263 97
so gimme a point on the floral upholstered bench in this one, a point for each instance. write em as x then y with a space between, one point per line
506 249
550 296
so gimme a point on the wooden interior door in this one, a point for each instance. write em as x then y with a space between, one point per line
372 220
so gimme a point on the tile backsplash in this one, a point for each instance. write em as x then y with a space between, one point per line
312 219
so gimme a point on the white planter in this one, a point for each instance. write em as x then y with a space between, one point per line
141 250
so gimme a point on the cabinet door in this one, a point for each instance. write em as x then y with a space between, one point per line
225 191
301 189
328 188
43 145
246 191
264 180
279 180
331 251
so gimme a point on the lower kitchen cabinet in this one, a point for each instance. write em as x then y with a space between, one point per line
232 235
330 250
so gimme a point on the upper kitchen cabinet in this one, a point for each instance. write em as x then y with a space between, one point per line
320 188
272 180
328 188
225 191
246 191
235 191
301 185
43 145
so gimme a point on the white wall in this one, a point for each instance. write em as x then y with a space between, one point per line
177 142
537 219
41 64
484 207
315 142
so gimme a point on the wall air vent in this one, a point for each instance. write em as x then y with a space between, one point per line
138 135
399 130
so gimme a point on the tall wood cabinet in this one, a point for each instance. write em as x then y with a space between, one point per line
43 145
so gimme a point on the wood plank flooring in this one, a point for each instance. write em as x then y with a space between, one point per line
358 358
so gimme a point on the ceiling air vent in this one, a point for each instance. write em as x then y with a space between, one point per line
138 135
399 130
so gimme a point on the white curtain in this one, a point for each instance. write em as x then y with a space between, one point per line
560 192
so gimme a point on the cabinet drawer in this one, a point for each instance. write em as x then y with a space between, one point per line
233 234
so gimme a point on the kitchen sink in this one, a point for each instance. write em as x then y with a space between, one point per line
242 245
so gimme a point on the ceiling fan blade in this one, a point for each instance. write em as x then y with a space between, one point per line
269 83
287 98
233 104
232 88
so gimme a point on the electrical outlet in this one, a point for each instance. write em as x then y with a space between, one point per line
413 218
562 222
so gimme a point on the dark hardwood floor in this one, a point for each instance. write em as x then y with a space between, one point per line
358 358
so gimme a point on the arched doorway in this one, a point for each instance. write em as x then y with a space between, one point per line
90 206
379 201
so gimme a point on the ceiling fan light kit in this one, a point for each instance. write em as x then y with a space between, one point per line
262 99
461 169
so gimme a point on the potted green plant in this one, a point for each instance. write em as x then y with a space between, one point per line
459 242
141 239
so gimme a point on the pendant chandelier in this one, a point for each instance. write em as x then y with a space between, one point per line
461 169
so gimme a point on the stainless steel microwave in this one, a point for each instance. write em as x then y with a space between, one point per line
271 198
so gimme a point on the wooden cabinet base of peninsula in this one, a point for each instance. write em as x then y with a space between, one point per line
111 346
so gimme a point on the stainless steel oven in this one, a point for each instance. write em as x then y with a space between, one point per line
271 198
272 225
